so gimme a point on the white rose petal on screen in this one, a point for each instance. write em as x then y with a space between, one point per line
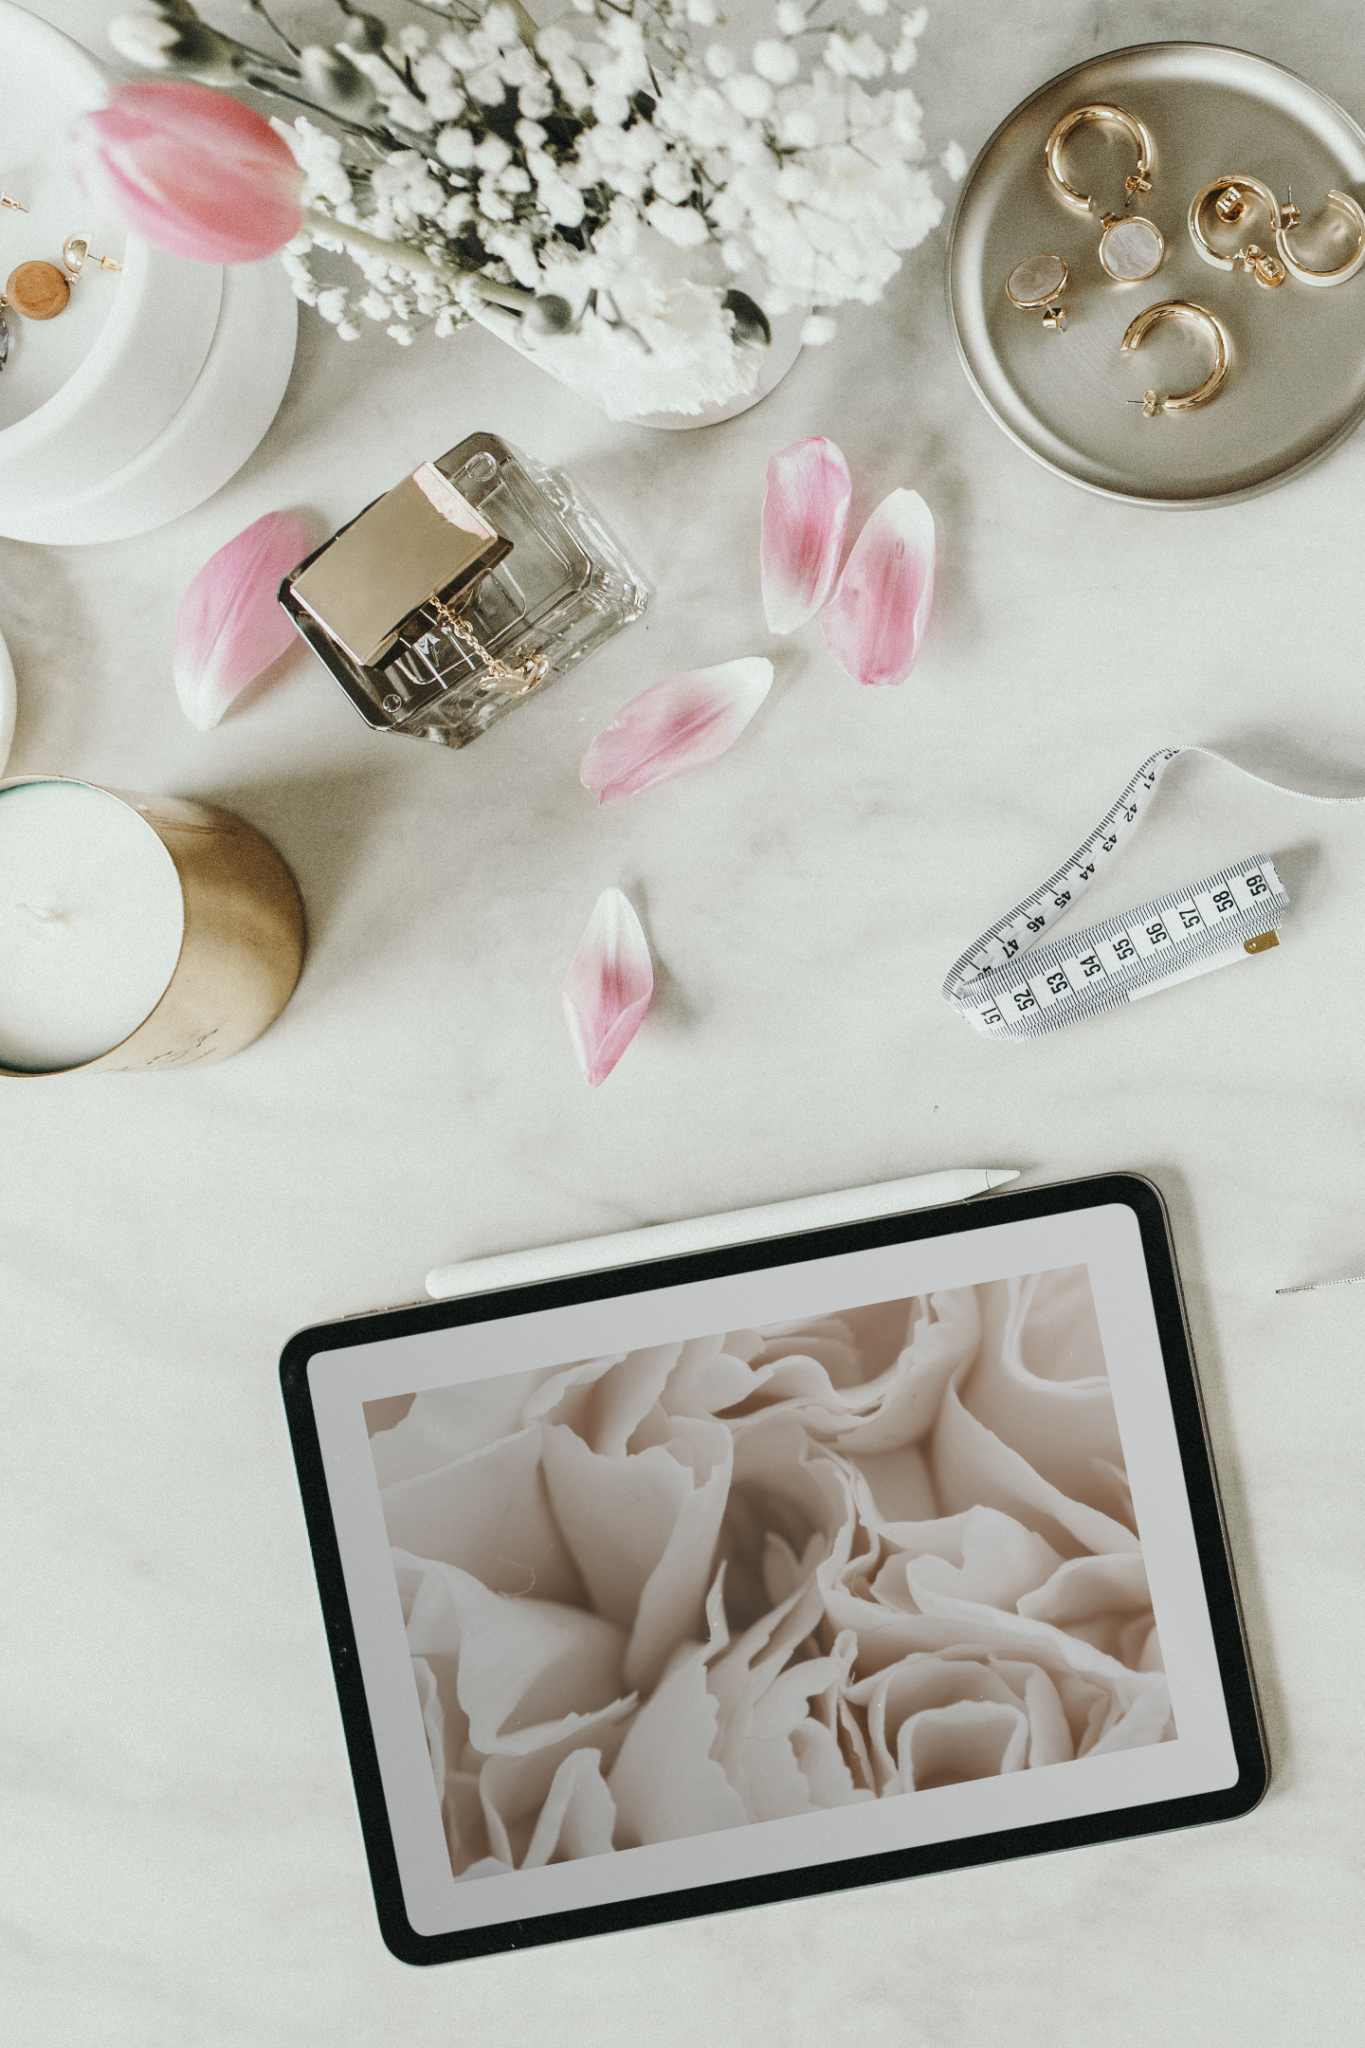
666 1783
490 1515
1105 1601
550 1804
448 1423
529 1671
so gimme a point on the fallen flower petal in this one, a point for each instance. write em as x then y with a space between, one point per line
191 171
683 722
875 621
805 512
608 986
230 626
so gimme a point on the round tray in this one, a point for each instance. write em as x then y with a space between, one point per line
1297 382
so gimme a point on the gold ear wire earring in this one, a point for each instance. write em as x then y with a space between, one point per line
1036 286
1131 246
1291 218
40 291
1230 196
1210 325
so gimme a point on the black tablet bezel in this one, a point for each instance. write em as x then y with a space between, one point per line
1134 1192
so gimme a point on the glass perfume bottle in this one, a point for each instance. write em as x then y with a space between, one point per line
468 587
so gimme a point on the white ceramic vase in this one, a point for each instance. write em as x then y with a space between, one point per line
154 385
779 357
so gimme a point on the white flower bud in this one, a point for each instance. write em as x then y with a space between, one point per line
335 83
348 330
702 12
750 96
720 62
873 6
954 162
776 61
190 48
681 225
404 336
455 147
791 17
332 304
493 154
818 331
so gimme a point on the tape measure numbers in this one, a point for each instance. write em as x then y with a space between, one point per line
1011 985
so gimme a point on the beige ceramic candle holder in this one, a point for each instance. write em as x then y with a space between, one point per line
242 948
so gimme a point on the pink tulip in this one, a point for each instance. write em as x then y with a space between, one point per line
681 723
876 619
230 626
608 986
805 512
191 171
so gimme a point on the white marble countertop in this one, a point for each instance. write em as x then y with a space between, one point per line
186 1863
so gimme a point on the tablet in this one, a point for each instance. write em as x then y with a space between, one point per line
802 1564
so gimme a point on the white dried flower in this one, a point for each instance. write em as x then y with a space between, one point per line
776 61
493 154
348 330
412 41
702 12
401 333
748 95
683 226
332 304
818 331
790 17
455 147
954 162
720 62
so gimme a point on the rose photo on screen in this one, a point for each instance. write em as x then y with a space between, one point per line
757 1575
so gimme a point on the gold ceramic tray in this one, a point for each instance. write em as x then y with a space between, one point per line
1297 381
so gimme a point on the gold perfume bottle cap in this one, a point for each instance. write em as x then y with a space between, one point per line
420 541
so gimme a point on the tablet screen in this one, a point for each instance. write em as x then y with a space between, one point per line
772 1571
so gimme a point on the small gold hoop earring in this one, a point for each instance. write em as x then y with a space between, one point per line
1230 196
1131 246
1036 286
1212 327
1291 218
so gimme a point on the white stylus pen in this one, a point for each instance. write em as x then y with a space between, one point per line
709 1233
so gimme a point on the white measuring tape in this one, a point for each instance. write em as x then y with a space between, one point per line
1008 985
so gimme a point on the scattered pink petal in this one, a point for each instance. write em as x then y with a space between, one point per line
608 986
805 512
875 621
190 170
230 626
681 723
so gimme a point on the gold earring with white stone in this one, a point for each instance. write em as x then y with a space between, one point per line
1231 198
1131 246
1291 218
1036 286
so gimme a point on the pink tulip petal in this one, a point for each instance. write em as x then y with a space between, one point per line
681 723
191 171
876 619
230 626
608 986
805 512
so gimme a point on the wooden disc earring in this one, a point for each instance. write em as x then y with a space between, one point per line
40 290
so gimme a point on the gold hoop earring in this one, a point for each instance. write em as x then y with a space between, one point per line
1131 246
1230 196
1211 325
1036 286
1291 218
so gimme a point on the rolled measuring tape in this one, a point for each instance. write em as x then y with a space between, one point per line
1009 985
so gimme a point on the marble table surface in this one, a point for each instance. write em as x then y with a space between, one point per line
184 1863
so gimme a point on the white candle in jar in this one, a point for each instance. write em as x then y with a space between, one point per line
91 923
